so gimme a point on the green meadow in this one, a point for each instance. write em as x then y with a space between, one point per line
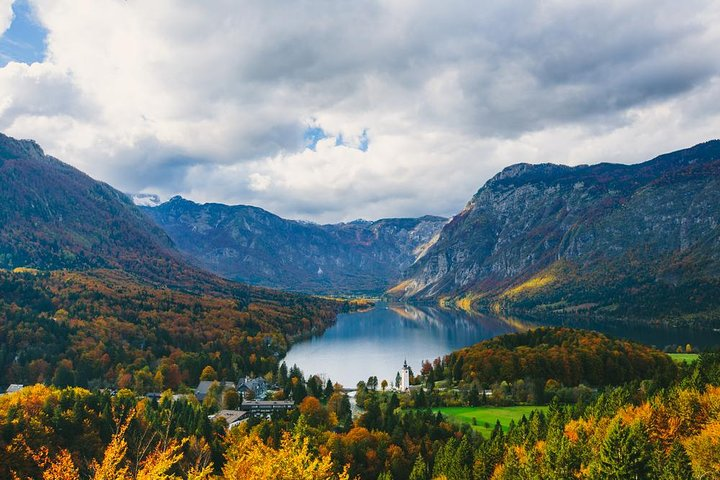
684 357
483 419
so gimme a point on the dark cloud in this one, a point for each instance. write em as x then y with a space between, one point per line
214 99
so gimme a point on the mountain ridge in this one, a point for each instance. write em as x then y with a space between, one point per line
533 235
250 244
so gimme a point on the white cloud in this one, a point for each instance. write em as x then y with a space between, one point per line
6 15
259 182
211 99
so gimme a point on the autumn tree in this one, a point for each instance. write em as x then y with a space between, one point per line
208 373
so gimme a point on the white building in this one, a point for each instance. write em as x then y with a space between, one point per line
405 378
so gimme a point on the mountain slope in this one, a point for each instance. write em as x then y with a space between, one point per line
92 291
55 216
630 240
252 245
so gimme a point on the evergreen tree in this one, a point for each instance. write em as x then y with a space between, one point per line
314 386
389 417
372 418
473 396
677 465
420 470
329 390
282 375
345 412
624 454
299 392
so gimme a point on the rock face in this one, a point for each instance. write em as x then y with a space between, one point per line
607 236
252 245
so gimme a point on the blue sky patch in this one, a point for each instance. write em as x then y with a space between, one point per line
312 136
364 141
24 41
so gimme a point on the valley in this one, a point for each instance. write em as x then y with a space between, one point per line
541 316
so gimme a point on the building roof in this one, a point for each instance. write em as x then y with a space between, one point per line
14 387
264 404
230 416
204 386
254 384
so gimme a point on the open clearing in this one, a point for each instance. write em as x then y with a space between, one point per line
684 357
485 417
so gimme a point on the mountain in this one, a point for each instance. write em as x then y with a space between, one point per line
55 216
252 245
626 240
93 292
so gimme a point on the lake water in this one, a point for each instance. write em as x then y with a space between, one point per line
378 341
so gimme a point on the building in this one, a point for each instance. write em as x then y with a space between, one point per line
202 389
266 406
258 387
405 378
232 417
14 387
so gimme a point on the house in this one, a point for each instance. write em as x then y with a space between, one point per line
14 387
266 406
232 417
202 389
258 387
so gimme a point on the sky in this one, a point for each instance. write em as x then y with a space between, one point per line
330 110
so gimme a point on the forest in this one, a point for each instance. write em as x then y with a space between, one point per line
667 428
103 328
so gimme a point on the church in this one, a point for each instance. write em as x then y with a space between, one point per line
405 378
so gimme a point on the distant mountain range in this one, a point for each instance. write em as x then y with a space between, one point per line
629 241
622 240
54 217
252 245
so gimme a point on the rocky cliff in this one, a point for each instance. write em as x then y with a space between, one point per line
638 240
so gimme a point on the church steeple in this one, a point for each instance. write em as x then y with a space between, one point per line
405 377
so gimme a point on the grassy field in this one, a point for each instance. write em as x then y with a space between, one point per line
485 417
684 357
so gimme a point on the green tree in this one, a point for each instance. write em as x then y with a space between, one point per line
329 390
420 470
625 453
231 399
64 375
677 465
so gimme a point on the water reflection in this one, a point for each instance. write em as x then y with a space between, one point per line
376 342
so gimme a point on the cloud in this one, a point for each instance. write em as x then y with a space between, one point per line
407 107
6 15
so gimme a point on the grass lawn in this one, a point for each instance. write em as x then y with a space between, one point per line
487 416
684 357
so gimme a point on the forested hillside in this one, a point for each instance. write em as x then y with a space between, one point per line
102 328
563 355
641 430
93 293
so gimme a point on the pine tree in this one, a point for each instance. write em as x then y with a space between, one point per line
677 466
420 470
624 454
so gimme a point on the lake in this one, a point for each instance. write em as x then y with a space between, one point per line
378 341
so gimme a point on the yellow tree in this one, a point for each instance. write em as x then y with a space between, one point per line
249 457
